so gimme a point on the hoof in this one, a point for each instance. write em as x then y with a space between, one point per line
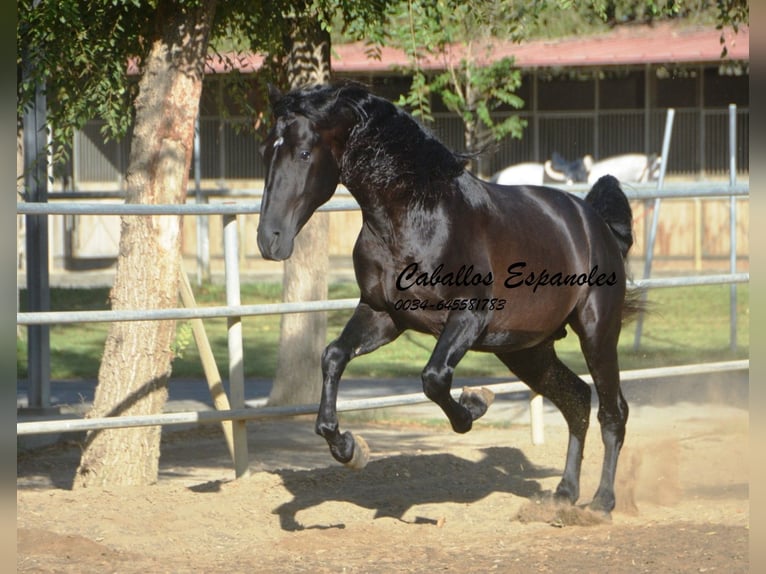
601 508
476 400
558 513
603 502
361 455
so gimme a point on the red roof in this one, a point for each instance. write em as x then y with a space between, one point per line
662 43
659 44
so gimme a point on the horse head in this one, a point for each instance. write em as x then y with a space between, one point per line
302 154
654 167
575 171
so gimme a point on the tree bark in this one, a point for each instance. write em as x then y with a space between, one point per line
303 336
137 355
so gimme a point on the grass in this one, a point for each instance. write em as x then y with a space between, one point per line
686 325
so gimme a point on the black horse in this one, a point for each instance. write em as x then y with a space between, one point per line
479 266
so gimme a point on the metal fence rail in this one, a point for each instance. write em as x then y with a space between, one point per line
244 207
170 419
211 312
229 211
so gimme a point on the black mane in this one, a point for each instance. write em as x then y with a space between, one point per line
386 150
320 104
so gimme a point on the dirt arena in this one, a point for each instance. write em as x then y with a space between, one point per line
429 501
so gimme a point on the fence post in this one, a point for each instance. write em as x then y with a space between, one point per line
733 225
536 418
37 251
649 255
203 233
212 375
236 354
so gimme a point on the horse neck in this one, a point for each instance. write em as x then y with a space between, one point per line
380 213
359 172
388 160
376 212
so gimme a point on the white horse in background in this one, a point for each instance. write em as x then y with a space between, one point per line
627 168
554 170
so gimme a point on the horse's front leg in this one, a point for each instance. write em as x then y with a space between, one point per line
365 331
460 332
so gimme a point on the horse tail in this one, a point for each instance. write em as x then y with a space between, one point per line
610 202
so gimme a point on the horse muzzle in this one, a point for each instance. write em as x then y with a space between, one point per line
275 244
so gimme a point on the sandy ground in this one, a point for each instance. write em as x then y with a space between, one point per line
429 501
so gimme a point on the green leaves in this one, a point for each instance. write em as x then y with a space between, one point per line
79 51
475 92
418 98
449 45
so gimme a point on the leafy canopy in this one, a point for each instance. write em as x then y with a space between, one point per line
79 50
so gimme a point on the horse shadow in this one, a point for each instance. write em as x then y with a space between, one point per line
393 485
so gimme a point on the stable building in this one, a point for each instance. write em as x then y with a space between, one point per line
601 95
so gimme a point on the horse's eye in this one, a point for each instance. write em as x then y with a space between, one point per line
305 155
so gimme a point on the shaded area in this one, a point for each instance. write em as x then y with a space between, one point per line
394 485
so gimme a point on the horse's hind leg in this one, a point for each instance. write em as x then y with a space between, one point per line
544 373
599 345
613 416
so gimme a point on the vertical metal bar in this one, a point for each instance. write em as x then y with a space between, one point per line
76 159
648 148
535 118
38 287
536 418
209 366
236 358
698 233
203 239
535 400
703 132
221 135
649 257
118 162
733 225
596 114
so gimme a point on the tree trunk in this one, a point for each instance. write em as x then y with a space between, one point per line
476 136
303 336
137 355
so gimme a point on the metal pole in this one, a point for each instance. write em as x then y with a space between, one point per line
655 218
535 117
536 419
210 312
636 192
212 376
733 225
647 109
214 416
596 115
203 238
236 354
38 293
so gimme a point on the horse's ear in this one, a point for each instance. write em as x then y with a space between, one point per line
274 94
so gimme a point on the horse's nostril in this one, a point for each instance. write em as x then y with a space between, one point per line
274 238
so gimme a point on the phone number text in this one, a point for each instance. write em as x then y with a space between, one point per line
457 304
